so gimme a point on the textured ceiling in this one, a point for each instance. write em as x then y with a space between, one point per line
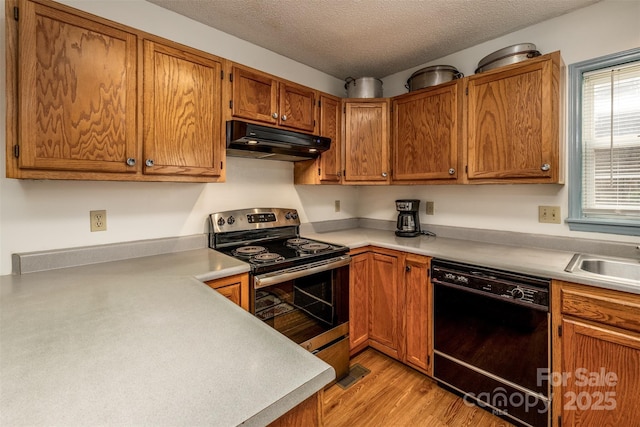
373 38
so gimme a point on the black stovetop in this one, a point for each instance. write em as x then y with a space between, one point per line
292 252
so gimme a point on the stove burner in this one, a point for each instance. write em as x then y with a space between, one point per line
267 257
314 248
249 250
297 241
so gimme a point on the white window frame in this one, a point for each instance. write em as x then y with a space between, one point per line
578 220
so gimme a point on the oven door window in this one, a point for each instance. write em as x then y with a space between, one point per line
303 308
499 337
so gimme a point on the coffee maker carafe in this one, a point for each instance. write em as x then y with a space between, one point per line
408 220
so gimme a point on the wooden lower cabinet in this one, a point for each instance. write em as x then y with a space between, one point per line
386 299
359 281
418 308
597 374
308 414
390 305
236 288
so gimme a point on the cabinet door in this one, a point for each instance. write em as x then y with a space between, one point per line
602 366
255 96
330 126
418 313
327 168
359 282
513 122
366 142
425 134
385 299
182 114
232 292
235 288
77 93
297 107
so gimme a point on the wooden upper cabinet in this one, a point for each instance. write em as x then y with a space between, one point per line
255 96
426 134
331 127
263 98
182 112
91 99
297 107
326 169
366 141
77 88
513 116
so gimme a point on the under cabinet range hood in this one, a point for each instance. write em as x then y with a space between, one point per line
263 142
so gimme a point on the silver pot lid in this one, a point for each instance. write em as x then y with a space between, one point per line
507 51
435 68
355 81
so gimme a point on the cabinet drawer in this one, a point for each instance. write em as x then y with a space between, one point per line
602 305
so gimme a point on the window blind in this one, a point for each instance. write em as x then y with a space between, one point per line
611 142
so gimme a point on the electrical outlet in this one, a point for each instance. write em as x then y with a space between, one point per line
549 214
337 205
98 220
430 208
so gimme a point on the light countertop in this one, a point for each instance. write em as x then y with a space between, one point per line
144 342
545 263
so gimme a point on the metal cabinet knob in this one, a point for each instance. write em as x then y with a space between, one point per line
284 117
149 162
131 161
545 167
274 115
384 174
407 268
452 171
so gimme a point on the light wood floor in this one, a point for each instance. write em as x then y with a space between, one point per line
396 395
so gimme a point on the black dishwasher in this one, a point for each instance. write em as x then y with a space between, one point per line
491 339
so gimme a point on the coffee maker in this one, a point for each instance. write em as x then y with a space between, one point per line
408 220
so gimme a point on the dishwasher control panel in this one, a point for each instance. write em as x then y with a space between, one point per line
518 288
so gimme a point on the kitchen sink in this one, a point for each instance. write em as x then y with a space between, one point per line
625 270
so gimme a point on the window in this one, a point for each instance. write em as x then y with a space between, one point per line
604 192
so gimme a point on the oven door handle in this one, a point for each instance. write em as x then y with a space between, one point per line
276 277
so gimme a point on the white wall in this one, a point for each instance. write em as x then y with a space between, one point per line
604 28
39 215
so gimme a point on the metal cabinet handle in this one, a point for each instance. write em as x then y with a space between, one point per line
149 162
284 117
384 174
407 268
274 115
545 167
452 171
131 161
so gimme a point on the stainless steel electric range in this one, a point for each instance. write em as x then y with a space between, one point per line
299 286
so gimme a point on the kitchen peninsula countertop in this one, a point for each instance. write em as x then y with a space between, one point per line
144 342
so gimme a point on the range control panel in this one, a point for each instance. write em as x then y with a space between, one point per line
253 219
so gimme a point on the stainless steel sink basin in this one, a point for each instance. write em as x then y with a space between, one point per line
605 268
